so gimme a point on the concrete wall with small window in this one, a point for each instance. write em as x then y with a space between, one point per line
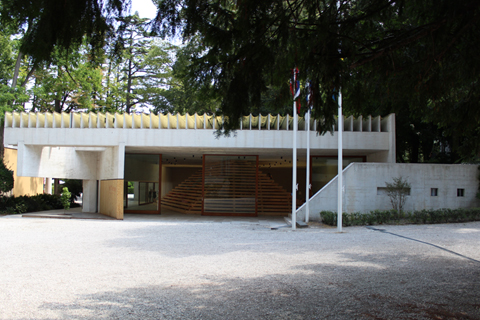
433 186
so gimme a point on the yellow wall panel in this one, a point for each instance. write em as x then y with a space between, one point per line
111 198
23 186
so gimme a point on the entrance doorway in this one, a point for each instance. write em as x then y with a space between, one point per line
230 185
142 186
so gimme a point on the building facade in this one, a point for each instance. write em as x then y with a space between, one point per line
146 163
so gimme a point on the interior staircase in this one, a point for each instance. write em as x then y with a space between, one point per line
187 196
230 188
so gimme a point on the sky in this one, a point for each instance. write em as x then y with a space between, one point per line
145 8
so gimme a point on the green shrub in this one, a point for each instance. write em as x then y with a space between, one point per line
6 178
65 198
328 217
22 204
420 216
395 217
130 187
75 187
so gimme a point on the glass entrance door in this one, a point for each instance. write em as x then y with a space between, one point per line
142 183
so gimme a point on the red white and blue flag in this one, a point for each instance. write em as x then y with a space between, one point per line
309 89
295 87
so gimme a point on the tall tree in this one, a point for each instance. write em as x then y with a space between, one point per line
61 23
421 54
70 82
139 65
184 91
11 97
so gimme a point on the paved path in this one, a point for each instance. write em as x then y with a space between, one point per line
177 267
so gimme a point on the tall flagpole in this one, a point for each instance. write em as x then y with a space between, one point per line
340 162
307 187
294 153
309 88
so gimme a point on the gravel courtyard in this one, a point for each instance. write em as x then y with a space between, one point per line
172 267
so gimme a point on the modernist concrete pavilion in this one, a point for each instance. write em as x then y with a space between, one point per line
143 163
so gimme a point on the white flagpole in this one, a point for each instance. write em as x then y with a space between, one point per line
294 155
307 187
340 162
294 169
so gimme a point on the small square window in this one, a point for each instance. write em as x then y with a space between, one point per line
460 192
434 192
381 191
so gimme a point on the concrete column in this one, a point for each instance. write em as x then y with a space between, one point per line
121 158
48 185
89 196
56 186
20 158
392 152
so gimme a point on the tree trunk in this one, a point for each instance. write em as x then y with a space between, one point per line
1 139
29 74
17 69
58 106
129 85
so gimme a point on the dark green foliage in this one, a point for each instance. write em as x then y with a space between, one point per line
51 24
130 187
395 217
185 93
416 59
6 177
329 218
22 204
75 187
65 198
419 216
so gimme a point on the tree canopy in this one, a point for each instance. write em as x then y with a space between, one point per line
414 58
57 23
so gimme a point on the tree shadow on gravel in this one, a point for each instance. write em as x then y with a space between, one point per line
440 288
167 239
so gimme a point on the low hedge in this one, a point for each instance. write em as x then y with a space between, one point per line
22 204
394 217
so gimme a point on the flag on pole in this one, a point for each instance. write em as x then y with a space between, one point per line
309 90
295 87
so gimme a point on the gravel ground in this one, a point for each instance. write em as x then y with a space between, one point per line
210 268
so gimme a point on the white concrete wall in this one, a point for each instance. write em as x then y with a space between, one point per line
89 201
253 141
361 181
69 162
84 163
62 163
111 163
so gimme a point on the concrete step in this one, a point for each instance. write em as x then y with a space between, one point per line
300 224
